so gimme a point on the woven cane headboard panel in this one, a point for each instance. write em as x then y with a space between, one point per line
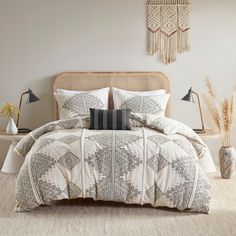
136 81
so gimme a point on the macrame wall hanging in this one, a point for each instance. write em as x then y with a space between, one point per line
168 28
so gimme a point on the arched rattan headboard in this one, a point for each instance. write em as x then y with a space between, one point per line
136 81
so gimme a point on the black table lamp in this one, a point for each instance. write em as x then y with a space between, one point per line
189 98
31 98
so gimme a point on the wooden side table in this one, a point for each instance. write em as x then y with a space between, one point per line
13 161
210 133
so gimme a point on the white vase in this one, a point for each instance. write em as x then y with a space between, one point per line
11 127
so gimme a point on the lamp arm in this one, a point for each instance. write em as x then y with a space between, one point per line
200 109
19 107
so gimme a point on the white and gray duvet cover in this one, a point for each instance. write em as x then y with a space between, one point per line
154 164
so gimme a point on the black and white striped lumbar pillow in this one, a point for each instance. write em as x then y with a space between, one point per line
110 119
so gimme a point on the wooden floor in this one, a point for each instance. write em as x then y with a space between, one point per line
88 218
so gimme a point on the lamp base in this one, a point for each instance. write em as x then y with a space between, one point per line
24 130
199 131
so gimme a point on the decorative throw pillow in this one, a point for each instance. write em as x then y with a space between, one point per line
110 119
143 102
77 103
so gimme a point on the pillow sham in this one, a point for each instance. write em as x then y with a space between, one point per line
153 103
143 93
109 119
71 92
77 103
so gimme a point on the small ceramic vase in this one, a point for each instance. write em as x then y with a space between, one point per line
227 156
11 127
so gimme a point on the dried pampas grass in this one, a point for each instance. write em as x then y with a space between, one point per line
8 110
212 108
223 116
211 89
232 108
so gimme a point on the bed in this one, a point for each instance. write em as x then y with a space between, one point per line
156 163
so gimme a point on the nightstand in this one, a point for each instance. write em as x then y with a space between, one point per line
210 133
13 161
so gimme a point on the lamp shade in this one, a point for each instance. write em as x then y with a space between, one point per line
32 97
189 96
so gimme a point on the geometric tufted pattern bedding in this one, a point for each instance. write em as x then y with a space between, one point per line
155 163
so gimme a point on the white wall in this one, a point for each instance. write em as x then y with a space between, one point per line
39 39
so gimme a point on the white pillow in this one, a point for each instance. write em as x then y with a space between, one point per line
71 92
147 93
148 102
77 103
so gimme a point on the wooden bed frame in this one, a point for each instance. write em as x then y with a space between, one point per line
134 81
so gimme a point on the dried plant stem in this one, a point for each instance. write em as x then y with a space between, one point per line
223 117
8 110
211 89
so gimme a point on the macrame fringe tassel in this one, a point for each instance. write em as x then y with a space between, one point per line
168 46
183 41
153 42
